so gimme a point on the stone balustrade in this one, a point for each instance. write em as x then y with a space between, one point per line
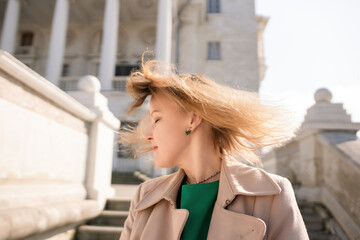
55 153
323 161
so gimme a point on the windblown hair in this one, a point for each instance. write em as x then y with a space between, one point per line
242 124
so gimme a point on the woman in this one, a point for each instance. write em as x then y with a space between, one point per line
198 125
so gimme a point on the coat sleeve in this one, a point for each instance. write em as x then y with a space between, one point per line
286 221
128 224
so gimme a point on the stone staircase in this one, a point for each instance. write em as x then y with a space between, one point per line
109 224
125 178
319 222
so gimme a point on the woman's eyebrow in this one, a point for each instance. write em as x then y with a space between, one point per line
153 112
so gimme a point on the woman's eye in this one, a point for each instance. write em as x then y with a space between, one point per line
157 120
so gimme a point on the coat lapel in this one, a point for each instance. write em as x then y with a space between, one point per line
166 189
235 179
165 221
239 179
230 225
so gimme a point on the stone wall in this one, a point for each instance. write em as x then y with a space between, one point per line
341 171
35 133
235 27
47 139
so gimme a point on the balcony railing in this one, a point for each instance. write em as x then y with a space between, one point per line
70 83
119 83
25 50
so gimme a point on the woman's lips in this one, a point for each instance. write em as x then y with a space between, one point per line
154 147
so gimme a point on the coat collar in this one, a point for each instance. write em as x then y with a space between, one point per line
235 179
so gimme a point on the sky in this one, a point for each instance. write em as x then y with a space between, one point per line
312 44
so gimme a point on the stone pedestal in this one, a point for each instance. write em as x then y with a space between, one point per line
323 116
102 140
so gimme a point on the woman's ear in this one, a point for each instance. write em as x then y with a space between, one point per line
196 120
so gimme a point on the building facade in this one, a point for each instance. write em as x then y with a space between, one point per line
64 40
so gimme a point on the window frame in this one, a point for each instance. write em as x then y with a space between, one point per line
213 50
23 40
213 6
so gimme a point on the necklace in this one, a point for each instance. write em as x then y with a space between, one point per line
205 178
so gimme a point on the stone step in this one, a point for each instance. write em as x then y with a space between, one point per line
307 211
314 222
118 204
302 203
306 208
125 178
322 236
317 219
110 218
89 232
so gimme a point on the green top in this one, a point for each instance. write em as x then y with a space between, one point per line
199 200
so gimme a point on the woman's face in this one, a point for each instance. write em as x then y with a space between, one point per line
167 131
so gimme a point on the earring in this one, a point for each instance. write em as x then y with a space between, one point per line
188 131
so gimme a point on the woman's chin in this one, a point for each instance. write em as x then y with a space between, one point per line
163 164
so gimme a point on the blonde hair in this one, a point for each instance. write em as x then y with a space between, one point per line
241 123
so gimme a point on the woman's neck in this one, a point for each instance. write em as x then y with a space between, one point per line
199 170
200 159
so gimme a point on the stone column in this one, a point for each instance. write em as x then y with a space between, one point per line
163 45
109 44
10 27
57 41
163 31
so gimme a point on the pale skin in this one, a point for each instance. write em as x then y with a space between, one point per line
194 152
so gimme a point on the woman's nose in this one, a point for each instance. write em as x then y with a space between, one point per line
149 135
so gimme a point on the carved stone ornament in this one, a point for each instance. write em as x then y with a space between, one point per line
146 3
99 4
148 35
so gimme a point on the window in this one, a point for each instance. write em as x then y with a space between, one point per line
122 151
213 51
124 68
65 70
27 38
213 6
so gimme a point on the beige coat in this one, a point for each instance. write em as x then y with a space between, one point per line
251 204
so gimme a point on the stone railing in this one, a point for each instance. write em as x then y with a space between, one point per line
323 162
340 191
55 153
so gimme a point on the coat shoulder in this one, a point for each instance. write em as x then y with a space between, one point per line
283 182
285 220
150 184
252 181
